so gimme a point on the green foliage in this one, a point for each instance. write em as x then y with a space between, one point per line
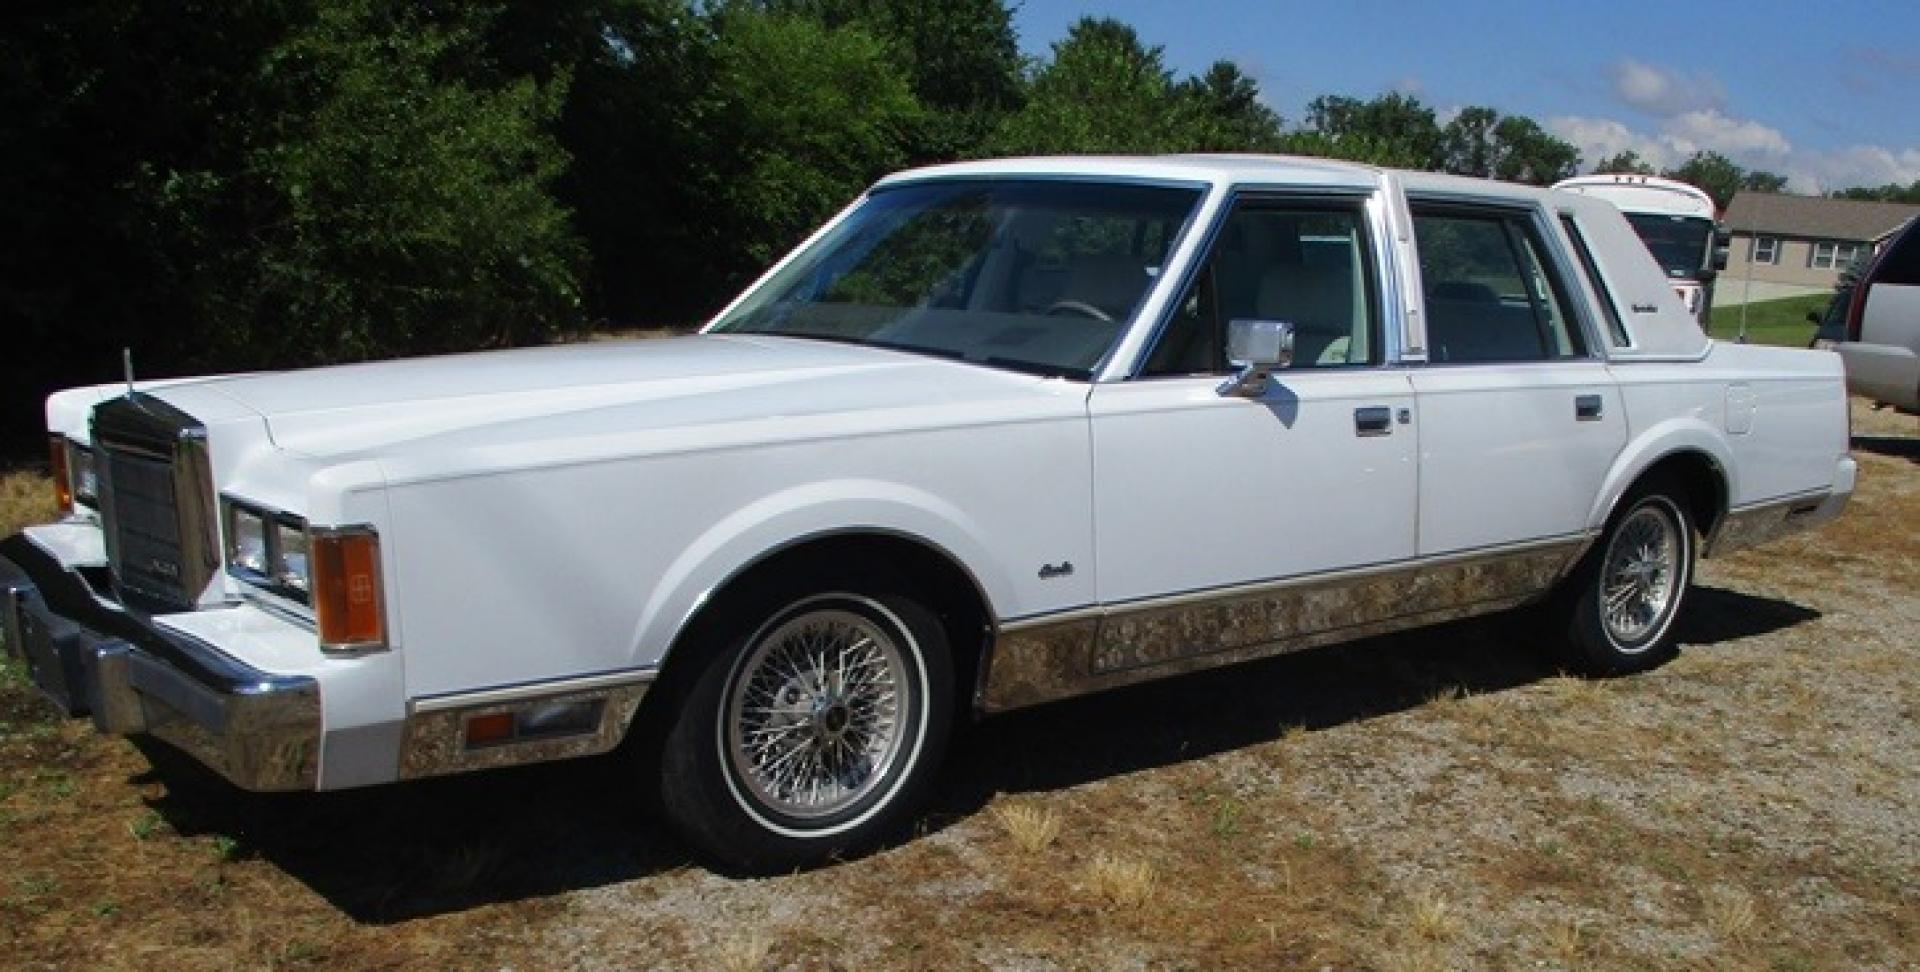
385 209
1393 129
1480 142
1224 113
1626 162
1891 192
1102 92
1722 177
961 57
814 114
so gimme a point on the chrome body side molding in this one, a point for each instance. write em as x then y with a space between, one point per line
1758 523
435 740
1041 659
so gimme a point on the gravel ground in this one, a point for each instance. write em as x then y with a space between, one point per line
1434 800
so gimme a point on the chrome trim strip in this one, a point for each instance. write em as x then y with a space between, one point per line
1759 523
434 740
1040 659
531 690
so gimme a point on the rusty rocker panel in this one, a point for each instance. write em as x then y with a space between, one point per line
1058 656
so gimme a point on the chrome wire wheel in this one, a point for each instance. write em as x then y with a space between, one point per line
818 712
1640 576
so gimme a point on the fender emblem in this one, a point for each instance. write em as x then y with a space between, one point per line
1050 571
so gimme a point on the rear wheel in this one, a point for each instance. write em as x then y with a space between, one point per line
1622 601
814 730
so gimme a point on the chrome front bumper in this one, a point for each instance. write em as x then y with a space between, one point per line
90 657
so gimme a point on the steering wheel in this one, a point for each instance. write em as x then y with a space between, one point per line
1078 307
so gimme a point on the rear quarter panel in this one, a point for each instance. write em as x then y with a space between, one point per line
1773 419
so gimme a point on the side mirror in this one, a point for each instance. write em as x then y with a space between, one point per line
1722 243
1257 348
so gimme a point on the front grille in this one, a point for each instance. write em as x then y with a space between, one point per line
145 526
156 502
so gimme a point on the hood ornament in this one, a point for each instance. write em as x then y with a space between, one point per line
126 363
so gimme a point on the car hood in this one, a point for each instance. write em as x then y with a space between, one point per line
607 388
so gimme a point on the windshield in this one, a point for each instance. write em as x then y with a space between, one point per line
1678 243
1038 275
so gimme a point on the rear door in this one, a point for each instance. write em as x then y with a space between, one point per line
1519 417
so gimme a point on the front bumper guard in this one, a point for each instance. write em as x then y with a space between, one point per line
89 656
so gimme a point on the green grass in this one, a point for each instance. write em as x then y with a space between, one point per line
1783 322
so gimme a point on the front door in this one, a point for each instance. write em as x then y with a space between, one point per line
1196 492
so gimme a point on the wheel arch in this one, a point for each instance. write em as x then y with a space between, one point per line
1690 452
952 590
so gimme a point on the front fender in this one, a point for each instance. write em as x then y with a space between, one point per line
1675 435
793 516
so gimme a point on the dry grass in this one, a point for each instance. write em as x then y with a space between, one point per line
1432 918
26 496
1031 827
1128 882
1434 801
746 953
1731 915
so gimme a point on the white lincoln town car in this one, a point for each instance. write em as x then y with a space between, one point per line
999 433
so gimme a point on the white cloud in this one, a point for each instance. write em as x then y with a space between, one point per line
1711 131
1604 138
1855 165
1750 143
1662 92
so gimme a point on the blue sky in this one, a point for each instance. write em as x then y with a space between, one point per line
1827 94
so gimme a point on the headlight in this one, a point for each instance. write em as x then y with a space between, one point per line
86 482
291 542
267 550
247 542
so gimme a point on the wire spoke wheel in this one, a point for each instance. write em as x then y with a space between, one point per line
1639 576
818 713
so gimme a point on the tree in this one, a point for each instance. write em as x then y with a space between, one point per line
1225 113
811 116
377 207
1757 180
1392 129
1467 143
1627 162
961 57
1524 152
1479 142
1891 192
1102 91
1722 177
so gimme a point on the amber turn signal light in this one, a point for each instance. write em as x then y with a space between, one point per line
62 477
346 589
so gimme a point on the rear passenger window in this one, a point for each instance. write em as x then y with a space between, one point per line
1490 294
1599 283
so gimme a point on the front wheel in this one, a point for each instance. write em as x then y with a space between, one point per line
1627 592
814 730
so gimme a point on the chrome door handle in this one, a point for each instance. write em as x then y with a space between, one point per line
1373 420
1586 408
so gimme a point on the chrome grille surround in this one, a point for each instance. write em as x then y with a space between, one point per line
157 504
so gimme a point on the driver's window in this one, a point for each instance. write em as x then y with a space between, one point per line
1306 265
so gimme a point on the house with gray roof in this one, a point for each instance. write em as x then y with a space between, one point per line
1786 245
